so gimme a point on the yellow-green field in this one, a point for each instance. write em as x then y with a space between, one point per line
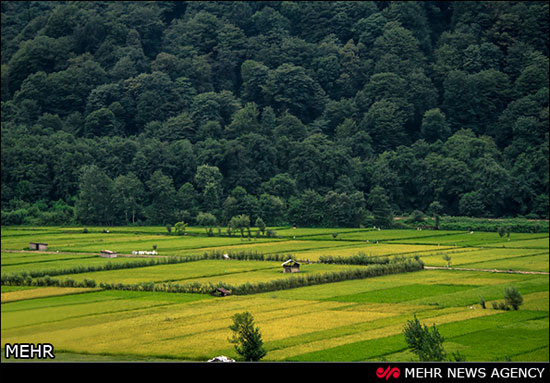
353 320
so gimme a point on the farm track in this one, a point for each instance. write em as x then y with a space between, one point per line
485 270
92 254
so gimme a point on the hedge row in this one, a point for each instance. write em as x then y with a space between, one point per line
244 255
20 277
291 282
376 266
27 280
105 267
364 259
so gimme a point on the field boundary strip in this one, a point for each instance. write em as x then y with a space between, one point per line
508 258
379 240
486 270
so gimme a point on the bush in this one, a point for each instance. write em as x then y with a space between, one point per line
416 217
512 297
180 228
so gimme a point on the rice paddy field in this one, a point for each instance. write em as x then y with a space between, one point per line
349 320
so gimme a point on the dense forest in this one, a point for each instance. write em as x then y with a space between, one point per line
313 113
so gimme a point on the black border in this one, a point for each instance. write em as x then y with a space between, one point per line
261 370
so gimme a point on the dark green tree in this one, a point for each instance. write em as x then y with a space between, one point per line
94 205
425 342
163 199
239 222
513 297
434 126
128 195
380 207
260 224
247 337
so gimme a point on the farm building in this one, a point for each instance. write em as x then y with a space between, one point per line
38 246
221 292
108 254
291 266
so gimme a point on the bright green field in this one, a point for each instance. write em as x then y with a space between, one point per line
356 320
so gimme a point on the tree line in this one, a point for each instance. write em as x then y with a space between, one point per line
314 113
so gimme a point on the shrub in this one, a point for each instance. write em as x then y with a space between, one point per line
180 228
482 302
512 297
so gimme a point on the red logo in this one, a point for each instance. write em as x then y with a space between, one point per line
388 372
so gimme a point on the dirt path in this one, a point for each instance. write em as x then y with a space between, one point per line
75 253
486 270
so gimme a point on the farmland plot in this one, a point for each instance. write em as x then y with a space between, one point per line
354 320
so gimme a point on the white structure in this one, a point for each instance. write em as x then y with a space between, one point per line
222 358
144 252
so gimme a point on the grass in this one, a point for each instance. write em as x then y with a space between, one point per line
491 258
33 293
398 294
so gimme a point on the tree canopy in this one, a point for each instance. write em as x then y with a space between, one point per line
315 113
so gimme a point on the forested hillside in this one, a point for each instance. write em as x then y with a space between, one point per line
315 113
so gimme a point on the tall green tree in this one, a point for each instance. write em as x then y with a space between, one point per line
425 342
380 207
240 222
162 196
247 337
128 195
94 205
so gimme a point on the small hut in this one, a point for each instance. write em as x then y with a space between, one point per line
291 266
38 246
108 254
221 292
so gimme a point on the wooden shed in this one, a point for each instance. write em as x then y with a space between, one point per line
108 254
220 292
291 266
38 246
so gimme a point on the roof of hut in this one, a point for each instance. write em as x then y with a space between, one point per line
289 263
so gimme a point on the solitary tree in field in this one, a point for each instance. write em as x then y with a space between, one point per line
512 297
447 258
425 342
247 338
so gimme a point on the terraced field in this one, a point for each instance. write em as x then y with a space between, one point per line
350 320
